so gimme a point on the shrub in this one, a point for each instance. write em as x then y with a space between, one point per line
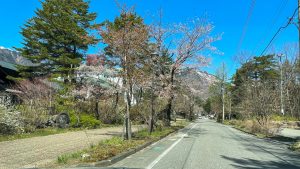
84 121
74 120
88 121
110 114
36 97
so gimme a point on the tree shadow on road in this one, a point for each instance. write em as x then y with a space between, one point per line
283 139
247 163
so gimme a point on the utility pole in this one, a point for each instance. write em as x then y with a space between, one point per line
223 92
281 85
299 29
298 58
298 25
229 106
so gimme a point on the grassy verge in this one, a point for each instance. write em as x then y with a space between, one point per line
295 146
252 129
245 126
114 146
42 132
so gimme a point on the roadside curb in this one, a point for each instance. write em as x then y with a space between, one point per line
123 155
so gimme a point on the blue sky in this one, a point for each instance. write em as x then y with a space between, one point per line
228 16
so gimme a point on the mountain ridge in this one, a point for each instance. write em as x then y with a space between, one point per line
198 81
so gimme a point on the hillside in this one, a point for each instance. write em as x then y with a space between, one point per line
198 81
12 57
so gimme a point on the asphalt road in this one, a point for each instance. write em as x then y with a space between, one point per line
210 145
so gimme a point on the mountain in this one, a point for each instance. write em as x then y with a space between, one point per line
12 57
198 81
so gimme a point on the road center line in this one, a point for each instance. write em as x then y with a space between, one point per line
150 166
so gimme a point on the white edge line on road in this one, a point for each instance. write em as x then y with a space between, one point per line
150 166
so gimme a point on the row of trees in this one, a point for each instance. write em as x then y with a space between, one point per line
146 58
262 88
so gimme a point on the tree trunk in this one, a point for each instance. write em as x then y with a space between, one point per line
127 118
151 121
128 106
97 114
167 118
191 112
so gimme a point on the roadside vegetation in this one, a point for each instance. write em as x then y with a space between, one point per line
295 146
262 97
114 146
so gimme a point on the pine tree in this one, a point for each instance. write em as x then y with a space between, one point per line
57 37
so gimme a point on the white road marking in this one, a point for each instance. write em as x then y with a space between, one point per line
150 166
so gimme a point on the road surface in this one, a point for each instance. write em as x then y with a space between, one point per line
291 133
209 145
38 151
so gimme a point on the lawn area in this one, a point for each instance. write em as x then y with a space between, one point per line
43 132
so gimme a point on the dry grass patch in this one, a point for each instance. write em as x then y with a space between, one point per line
114 146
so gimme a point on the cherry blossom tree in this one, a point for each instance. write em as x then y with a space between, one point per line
189 45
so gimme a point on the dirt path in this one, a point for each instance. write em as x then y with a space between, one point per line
37 151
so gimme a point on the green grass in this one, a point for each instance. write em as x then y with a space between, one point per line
37 133
42 132
283 118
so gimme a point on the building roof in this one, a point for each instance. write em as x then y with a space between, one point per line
8 65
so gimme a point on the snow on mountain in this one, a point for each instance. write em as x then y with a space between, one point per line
12 56
198 81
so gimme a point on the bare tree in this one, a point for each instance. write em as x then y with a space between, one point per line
191 41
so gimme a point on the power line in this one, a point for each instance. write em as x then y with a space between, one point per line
278 31
246 24
244 31
271 25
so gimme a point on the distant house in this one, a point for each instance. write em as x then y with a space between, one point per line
102 77
98 76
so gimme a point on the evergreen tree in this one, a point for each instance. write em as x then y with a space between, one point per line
57 37
207 106
261 69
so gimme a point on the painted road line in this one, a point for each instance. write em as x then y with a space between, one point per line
150 166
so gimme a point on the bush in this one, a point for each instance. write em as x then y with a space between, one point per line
84 121
110 114
88 121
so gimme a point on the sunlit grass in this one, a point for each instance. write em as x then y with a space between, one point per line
116 145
